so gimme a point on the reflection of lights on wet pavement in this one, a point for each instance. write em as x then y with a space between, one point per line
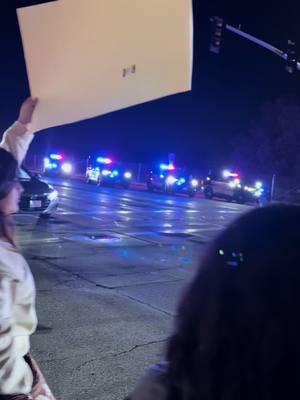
163 211
170 202
123 253
190 230
185 260
124 212
66 183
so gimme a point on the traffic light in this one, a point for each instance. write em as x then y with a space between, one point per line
216 39
291 62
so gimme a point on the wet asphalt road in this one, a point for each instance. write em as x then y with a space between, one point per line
109 268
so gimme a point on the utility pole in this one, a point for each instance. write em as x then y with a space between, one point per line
88 162
273 187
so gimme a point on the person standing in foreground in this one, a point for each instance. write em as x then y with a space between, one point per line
20 377
237 327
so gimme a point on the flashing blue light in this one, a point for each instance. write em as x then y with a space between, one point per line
167 167
233 264
56 156
229 174
115 173
161 176
104 160
54 165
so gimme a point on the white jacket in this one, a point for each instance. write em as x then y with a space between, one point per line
17 294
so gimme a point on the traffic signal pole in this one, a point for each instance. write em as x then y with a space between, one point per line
289 56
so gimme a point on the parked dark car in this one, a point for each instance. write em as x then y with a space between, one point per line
38 196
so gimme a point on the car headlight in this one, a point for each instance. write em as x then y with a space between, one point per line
259 192
106 172
67 168
235 183
181 181
171 180
128 175
47 163
53 195
194 183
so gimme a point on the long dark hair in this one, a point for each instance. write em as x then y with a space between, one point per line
7 228
237 331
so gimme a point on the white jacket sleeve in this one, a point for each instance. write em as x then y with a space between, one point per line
15 373
16 140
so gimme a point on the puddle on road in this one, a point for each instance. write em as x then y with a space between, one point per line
106 238
199 239
56 221
100 237
95 238
181 235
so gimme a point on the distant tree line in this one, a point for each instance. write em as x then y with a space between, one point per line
272 143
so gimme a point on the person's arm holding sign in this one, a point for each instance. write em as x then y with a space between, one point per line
18 137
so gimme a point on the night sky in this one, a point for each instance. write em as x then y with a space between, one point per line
200 126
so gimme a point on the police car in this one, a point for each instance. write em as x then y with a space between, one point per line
167 178
103 171
56 164
229 186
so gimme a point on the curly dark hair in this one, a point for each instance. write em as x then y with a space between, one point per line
237 331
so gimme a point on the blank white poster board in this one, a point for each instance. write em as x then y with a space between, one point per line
92 57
